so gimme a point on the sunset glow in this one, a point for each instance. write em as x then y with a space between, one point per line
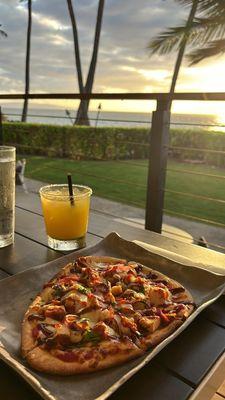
124 65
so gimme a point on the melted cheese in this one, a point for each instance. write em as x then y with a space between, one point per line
150 324
121 308
93 317
47 294
75 295
158 295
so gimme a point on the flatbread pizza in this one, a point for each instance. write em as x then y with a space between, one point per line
98 312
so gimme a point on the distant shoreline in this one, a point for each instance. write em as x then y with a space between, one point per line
111 118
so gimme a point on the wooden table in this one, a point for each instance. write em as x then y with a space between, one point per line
190 367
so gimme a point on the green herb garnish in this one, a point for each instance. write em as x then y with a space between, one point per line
83 290
58 290
84 320
138 289
91 336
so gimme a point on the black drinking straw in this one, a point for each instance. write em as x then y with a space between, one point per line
70 187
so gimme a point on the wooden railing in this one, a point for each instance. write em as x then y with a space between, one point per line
159 138
202 96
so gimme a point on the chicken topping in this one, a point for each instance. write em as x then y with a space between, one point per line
85 305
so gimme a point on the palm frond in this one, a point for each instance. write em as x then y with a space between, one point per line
201 31
3 33
210 8
214 48
204 4
213 8
206 29
171 39
166 41
185 2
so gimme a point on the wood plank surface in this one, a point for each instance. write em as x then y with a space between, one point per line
216 312
32 226
179 367
217 397
221 389
29 201
211 381
24 254
102 224
153 383
13 387
193 353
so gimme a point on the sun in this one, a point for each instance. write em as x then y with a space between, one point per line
220 116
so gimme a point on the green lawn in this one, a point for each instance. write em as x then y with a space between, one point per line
126 182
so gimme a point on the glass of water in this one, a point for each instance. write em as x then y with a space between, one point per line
7 195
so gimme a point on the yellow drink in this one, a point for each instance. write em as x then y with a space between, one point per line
66 219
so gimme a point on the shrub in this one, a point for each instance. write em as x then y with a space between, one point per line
77 142
108 143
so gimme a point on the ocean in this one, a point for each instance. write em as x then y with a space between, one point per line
58 116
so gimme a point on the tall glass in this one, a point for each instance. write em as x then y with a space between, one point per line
7 194
66 217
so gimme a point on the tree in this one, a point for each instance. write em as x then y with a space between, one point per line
210 31
27 64
206 35
82 112
167 41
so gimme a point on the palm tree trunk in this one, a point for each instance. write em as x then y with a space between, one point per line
181 51
76 46
27 71
82 113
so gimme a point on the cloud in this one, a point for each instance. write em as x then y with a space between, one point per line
59 40
50 23
123 62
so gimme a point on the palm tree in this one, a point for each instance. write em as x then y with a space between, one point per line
206 33
166 41
76 46
82 112
27 68
77 57
210 31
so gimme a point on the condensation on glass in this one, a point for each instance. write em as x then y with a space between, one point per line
7 195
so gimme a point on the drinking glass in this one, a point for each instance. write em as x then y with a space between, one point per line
66 217
7 195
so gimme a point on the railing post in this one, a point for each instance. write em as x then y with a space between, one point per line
158 152
1 128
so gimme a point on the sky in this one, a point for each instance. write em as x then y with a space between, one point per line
124 64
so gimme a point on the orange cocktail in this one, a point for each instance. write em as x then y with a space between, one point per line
66 217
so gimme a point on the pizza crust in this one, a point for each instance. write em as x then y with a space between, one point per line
160 334
185 296
44 361
92 260
107 353
27 340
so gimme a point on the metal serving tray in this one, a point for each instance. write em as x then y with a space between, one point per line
17 291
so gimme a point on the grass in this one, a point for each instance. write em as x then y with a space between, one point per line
125 181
